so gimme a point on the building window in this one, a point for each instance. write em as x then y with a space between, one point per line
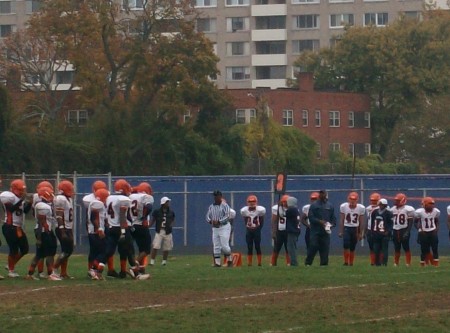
238 73
317 120
271 47
288 117
64 77
367 119
341 20
133 4
306 21
205 3
305 1
6 30
245 116
305 118
351 119
334 147
270 22
367 149
7 7
377 19
237 24
302 45
318 151
238 48
206 25
413 15
334 118
77 118
187 116
237 2
270 72
32 6
351 149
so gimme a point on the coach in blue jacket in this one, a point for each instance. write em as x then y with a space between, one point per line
322 218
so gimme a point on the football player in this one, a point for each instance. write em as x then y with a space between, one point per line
427 224
15 205
381 231
63 205
141 207
351 226
403 220
304 217
374 198
253 215
279 233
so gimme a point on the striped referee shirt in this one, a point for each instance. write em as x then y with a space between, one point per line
219 213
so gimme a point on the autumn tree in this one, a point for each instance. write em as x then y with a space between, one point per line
401 67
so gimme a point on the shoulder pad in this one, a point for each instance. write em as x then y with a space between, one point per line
7 197
60 201
148 199
232 213
96 205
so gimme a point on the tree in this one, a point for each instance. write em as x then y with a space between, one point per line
400 67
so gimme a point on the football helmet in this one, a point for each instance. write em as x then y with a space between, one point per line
314 196
66 187
102 194
98 184
145 187
374 198
18 187
284 199
352 199
122 186
44 183
46 193
252 200
428 203
400 200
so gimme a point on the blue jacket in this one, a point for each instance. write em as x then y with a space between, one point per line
293 220
321 210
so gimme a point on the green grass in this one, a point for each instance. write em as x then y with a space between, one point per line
188 295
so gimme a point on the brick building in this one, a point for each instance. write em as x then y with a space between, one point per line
337 121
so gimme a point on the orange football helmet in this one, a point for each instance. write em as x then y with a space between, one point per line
102 194
66 187
314 196
98 184
400 200
46 193
122 186
374 198
284 198
18 187
428 203
44 183
252 200
145 187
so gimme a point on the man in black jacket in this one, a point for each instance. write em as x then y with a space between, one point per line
321 218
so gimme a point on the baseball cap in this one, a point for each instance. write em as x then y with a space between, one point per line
217 193
382 202
164 200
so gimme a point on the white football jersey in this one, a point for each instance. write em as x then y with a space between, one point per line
232 214
448 210
87 199
401 216
138 202
369 210
43 209
305 210
253 217
352 215
17 217
281 213
428 220
114 204
64 205
96 207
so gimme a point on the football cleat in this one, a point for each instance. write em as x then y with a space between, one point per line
66 277
122 274
1 277
142 277
54 277
112 274
13 274
31 277
42 275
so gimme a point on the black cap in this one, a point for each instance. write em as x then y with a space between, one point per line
217 193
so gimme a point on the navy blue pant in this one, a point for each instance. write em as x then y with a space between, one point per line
319 241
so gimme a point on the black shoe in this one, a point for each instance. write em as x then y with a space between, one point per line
217 265
113 274
229 264
122 274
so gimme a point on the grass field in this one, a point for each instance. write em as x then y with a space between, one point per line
188 295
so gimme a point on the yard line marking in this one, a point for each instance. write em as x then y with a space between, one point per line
156 306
